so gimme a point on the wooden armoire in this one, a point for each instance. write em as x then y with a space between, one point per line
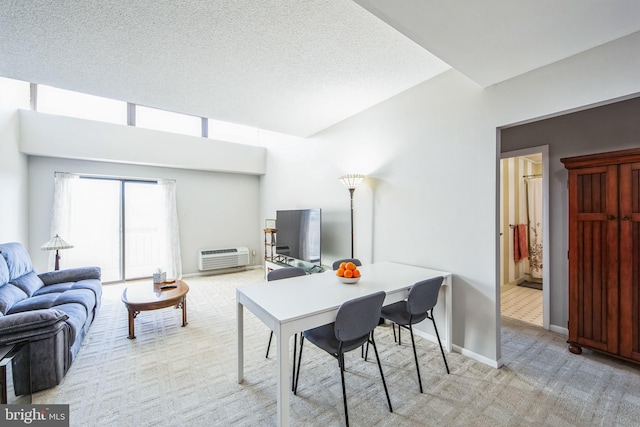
604 253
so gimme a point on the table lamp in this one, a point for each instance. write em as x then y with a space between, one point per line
56 244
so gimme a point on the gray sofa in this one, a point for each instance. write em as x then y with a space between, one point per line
52 310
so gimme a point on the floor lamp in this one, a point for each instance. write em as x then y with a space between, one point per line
56 244
351 181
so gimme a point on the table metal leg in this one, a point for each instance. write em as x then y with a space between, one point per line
283 377
3 384
240 331
448 313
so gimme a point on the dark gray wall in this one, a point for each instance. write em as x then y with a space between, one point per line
607 128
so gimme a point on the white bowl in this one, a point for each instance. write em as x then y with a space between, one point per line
349 280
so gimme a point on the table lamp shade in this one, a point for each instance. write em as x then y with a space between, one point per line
56 243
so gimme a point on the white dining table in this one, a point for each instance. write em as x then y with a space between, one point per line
289 306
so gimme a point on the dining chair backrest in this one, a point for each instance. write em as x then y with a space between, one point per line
285 273
337 263
359 316
423 295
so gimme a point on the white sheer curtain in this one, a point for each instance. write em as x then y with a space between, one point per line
534 204
169 231
61 212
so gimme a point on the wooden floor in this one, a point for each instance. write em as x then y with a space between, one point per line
521 303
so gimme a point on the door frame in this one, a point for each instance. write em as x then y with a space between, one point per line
544 150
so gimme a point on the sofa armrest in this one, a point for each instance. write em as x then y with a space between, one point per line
31 325
70 275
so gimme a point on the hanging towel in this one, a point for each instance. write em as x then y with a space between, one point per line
520 249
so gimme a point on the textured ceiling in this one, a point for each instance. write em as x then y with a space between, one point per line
291 66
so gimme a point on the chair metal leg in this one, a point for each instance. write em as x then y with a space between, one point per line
393 325
269 344
415 355
446 365
344 391
293 372
399 335
384 383
297 373
366 352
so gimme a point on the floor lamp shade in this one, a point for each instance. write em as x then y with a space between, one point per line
351 182
55 244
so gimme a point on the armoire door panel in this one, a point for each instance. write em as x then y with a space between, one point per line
592 282
629 260
594 219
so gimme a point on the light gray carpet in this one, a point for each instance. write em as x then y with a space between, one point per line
174 376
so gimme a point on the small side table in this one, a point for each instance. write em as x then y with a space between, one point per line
7 353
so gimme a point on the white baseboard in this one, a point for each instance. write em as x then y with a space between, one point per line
559 330
478 357
467 353
222 271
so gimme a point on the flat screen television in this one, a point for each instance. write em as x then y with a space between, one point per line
298 234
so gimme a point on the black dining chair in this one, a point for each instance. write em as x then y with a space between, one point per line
418 306
337 263
356 320
285 273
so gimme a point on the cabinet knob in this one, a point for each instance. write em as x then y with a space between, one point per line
611 217
625 218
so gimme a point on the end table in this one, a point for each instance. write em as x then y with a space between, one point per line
7 353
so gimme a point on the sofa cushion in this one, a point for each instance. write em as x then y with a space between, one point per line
4 271
84 297
17 258
36 302
71 275
77 318
9 296
92 299
29 283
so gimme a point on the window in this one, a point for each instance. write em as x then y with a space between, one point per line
152 118
225 131
14 94
75 104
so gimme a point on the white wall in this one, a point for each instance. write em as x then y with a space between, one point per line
432 158
13 181
68 137
216 210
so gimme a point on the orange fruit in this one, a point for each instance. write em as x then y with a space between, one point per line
343 265
348 274
350 266
356 273
340 272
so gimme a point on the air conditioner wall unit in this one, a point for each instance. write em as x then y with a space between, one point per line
216 259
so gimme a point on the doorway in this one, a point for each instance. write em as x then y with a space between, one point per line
523 270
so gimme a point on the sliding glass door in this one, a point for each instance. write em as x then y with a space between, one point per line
115 223
142 222
93 226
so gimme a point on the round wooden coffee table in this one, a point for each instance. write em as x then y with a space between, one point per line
152 296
